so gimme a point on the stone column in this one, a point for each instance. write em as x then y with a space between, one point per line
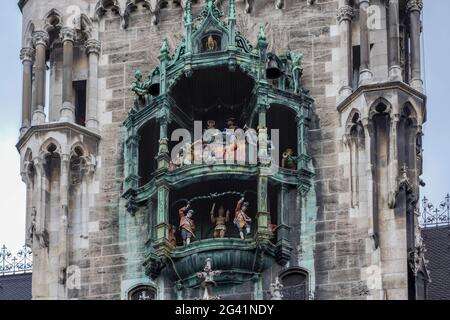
67 112
395 71
163 157
414 8
262 216
283 228
27 178
40 40
93 51
365 75
64 224
345 16
301 139
26 55
263 137
393 166
162 217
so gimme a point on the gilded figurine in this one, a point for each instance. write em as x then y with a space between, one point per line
211 44
187 224
220 221
241 219
289 161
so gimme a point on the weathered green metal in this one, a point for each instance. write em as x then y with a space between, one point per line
240 261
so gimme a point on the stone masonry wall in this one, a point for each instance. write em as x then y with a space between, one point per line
117 239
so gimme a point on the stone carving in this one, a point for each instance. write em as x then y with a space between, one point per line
345 13
32 229
93 46
103 6
40 38
249 5
208 283
276 290
403 183
27 54
414 5
67 34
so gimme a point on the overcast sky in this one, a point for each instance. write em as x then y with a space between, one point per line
12 190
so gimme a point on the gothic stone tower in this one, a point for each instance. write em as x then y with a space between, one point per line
339 79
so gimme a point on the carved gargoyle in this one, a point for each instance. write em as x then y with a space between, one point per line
402 183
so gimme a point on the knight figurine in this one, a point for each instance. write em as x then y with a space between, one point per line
241 219
187 224
220 221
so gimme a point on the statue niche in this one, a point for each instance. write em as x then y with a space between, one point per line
211 43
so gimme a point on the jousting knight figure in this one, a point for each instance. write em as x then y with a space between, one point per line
187 224
241 219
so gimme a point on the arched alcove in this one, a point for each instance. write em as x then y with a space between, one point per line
148 150
228 194
295 282
283 119
214 94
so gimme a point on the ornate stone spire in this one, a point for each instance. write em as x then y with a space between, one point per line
188 12
232 14
261 34
164 51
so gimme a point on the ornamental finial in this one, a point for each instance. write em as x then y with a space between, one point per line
261 34
188 12
164 47
232 9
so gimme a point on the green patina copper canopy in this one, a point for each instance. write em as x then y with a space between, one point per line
212 45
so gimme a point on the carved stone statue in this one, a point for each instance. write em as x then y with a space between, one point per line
187 224
220 221
139 87
37 232
208 283
241 219
289 161
276 290
32 229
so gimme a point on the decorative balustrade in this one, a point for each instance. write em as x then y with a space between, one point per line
20 263
435 216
